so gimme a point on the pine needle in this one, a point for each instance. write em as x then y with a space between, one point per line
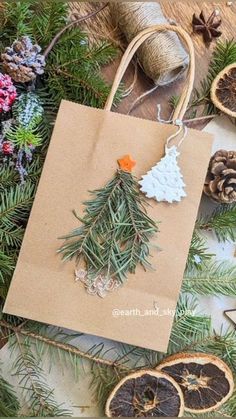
115 232
218 278
222 222
198 253
9 404
39 397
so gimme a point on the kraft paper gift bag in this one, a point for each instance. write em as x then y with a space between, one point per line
82 156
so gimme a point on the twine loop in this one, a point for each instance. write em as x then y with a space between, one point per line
182 129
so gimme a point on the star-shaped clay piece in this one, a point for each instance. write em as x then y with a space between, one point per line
126 163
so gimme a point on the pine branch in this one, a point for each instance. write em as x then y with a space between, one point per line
222 222
14 19
217 278
103 381
115 232
198 253
188 325
8 176
9 404
58 345
36 390
7 265
70 25
49 17
15 205
73 69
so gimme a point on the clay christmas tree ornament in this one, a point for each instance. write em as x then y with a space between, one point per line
164 182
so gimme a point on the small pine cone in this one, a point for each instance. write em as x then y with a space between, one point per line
220 183
23 61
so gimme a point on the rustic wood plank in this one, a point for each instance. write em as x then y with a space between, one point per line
180 11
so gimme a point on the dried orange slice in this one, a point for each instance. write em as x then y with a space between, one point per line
146 393
223 90
205 380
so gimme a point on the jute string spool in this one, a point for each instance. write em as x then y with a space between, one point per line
136 44
162 57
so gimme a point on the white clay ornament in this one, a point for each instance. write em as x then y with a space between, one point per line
164 182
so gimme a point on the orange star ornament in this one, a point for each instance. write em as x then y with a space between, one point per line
126 163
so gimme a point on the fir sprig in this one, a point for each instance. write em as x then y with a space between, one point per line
73 69
115 232
9 404
222 221
24 138
217 278
39 396
7 264
15 204
198 253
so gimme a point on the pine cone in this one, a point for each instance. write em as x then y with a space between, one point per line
23 61
220 182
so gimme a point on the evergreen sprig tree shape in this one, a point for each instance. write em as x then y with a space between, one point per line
115 233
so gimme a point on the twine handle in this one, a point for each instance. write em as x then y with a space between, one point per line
132 48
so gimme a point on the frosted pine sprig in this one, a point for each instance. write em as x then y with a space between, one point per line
28 110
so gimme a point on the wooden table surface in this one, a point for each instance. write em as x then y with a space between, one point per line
180 11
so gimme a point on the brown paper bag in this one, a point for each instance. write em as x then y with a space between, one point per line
82 156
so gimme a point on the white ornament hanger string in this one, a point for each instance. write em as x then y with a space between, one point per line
182 129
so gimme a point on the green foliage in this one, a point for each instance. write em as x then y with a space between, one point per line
23 137
39 20
9 405
188 325
223 55
217 278
173 101
8 177
115 232
14 20
15 204
49 17
39 397
73 72
28 111
73 69
222 222
198 253
7 264
73 66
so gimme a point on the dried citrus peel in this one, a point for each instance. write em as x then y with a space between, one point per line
223 90
146 393
205 380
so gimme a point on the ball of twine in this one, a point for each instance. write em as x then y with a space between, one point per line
162 57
